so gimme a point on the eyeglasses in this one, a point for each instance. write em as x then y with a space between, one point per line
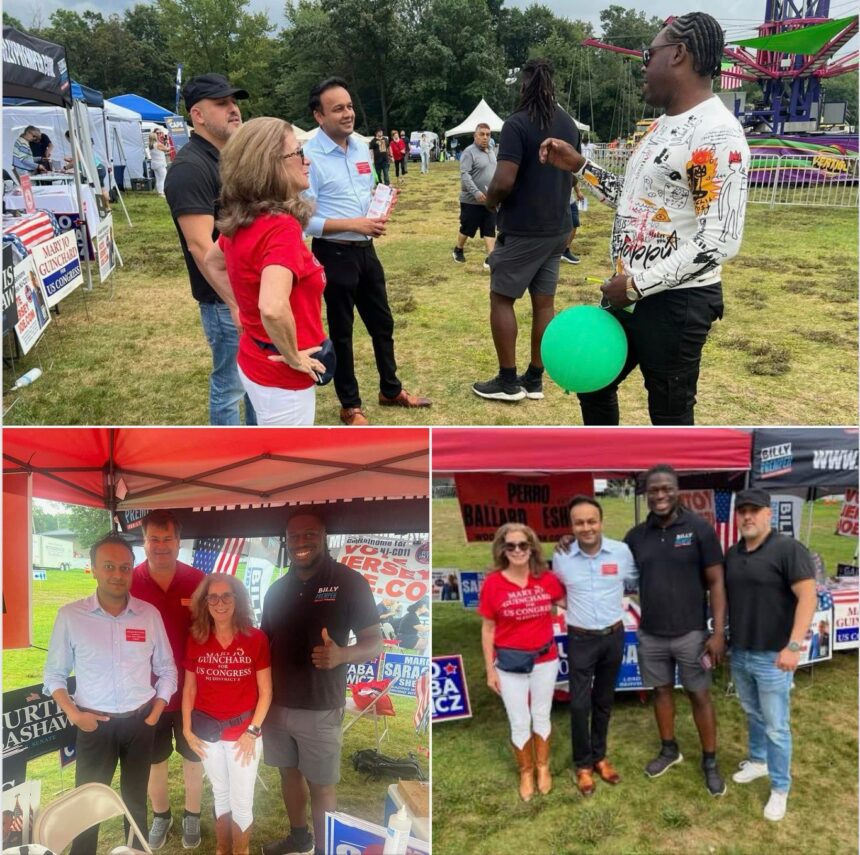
214 599
648 52
519 546
299 152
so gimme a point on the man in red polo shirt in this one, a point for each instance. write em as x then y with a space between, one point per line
168 584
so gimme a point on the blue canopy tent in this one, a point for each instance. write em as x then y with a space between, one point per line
148 110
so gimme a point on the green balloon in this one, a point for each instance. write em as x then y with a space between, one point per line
584 348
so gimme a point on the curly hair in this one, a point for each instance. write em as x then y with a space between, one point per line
538 92
704 39
201 620
537 563
253 179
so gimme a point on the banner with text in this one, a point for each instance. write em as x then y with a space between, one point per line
31 305
471 582
406 668
58 266
490 499
105 248
10 309
448 690
848 520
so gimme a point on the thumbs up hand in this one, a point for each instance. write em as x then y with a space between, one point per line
328 655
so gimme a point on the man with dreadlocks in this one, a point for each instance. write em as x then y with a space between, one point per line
534 224
680 214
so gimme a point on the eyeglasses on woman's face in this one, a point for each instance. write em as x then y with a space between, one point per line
517 546
214 599
299 152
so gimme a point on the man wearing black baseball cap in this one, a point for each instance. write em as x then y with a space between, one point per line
770 583
192 188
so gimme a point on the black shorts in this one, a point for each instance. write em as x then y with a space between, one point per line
168 729
574 215
474 217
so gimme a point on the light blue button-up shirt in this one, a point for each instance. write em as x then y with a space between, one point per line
113 657
341 183
595 583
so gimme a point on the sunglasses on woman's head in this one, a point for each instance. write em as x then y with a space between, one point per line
518 546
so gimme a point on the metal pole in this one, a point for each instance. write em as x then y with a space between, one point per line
83 219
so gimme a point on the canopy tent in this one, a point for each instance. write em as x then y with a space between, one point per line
143 106
127 127
304 136
482 113
92 97
35 69
803 40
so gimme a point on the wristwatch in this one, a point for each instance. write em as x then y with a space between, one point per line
794 647
632 291
253 730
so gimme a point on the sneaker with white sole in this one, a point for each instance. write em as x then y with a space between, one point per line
662 762
158 831
569 257
713 779
498 390
458 255
532 386
190 832
292 845
750 770
774 810
487 263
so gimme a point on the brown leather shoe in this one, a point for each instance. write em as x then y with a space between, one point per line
585 781
542 755
404 399
606 772
526 763
353 416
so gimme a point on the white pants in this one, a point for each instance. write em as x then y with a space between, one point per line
232 783
159 170
275 406
516 689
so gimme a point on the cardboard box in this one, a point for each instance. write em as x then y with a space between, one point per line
416 796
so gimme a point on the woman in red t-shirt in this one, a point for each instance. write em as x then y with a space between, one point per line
262 260
227 693
516 605
398 152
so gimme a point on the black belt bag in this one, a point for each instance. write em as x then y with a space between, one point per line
518 661
325 354
209 729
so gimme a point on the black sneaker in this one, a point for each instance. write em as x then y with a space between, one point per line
497 390
663 761
292 845
713 780
458 255
569 257
532 386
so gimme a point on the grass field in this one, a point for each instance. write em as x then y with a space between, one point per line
357 795
132 351
476 808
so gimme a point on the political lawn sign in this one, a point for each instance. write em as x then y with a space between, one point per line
58 266
406 668
448 689
31 304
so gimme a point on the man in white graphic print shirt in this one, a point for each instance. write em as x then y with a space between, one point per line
679 216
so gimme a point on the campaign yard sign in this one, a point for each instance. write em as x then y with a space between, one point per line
449 693
361 673
10 309
406 668
349 835
58 266
848 518
471 583
105 249
31 304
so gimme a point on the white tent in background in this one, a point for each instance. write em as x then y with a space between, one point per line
576 121
126 123
304 136
482 113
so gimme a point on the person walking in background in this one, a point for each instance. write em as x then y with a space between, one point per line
398 153
277 282
576 199
477 167
426 145
227 693
158 150
380 147
519 651
405 140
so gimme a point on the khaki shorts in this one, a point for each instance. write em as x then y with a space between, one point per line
307 740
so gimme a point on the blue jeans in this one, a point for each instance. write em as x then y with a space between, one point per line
425 160
764 693
225 387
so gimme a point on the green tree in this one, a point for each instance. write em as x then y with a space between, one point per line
12 21
88 524
45 521
157 75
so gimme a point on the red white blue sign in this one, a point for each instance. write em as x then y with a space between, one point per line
405 668
449 692
471 583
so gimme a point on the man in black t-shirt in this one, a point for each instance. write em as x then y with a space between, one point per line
308 616
770 581
192 188
533 227
680 562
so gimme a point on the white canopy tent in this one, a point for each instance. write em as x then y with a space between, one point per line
482 113
127 125
304 136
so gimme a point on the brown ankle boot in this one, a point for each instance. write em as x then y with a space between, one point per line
241 839
544 778
224 834
526 763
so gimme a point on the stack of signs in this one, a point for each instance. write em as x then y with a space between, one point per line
348 835
448 690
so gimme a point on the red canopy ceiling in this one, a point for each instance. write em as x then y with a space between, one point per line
599 450
194 467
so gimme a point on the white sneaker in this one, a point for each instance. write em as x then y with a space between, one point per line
774 810
750 771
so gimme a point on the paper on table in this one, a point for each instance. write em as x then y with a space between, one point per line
382 202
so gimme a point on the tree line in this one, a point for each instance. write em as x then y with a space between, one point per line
413 64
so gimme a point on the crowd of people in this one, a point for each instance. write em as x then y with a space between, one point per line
765 583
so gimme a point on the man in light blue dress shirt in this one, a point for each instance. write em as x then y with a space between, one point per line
114 643
594 571
341 185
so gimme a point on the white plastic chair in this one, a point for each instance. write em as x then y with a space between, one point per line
58 824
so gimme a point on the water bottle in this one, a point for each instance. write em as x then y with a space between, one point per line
26 379
397 833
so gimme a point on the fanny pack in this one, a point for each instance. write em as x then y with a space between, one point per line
209 729
518 661
325 354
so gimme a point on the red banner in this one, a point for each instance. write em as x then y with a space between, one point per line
848 520
17 626
491 499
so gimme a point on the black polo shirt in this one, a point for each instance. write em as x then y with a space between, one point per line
192 186
758 584
672 561
294 614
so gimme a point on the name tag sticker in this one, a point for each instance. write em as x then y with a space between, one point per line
363 167
685 539
135 635
609 569
186 602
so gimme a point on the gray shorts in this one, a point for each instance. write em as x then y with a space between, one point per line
658 656
307 740
519 264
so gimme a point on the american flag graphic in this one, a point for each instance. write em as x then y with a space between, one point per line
422 711
218 554
724 513
34 228
17 821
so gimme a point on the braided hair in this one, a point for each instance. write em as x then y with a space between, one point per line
704 39
538 95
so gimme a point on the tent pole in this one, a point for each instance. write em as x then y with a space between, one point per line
83 219
111 487
810 499
118 141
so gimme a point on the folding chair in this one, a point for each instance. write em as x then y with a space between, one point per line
355 713
58 824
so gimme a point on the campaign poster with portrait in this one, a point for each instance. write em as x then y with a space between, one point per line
105 249
31 303
10 310
58 265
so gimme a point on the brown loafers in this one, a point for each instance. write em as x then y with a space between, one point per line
353 416
585 781
607 772
404 399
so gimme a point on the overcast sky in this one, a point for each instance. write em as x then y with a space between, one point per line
736 16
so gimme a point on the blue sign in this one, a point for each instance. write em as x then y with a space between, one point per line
846 636
348 835
471 583
361 673
40 575
448 691
406 668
